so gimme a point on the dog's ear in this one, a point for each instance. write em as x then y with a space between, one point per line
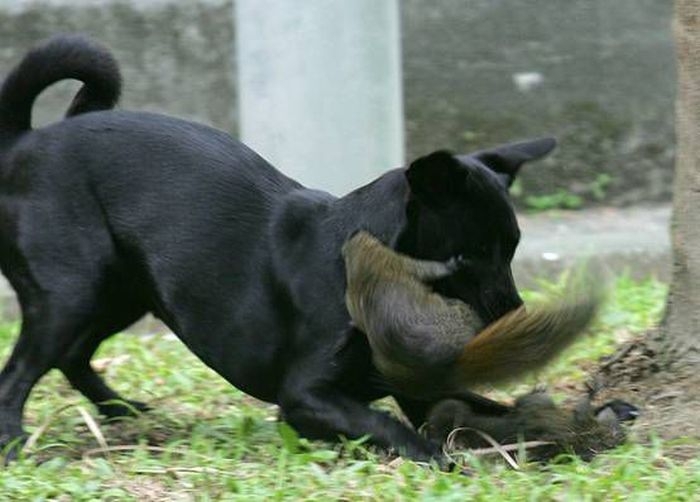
433 179
505 160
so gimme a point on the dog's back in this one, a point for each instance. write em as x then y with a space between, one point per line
108 215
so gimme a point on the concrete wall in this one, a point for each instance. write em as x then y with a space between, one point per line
599 74
320 88
176 55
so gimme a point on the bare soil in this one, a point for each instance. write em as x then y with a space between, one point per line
669 400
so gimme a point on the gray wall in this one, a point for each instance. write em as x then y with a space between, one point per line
606 90
599 74
320 88
176 55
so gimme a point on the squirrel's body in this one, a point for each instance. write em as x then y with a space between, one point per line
427 345
582 430
411 326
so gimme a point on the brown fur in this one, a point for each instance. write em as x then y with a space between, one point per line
534 417
427 345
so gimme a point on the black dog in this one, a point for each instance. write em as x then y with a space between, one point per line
108 215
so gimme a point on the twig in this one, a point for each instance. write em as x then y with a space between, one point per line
621 353
495 444
178 470
510 447
94 428
32 440
132 447
666 395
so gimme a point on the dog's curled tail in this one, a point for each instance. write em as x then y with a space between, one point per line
62 57
527 339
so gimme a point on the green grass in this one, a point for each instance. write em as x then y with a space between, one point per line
560 199
207 441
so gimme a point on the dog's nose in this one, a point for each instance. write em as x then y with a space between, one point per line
513 302
501 298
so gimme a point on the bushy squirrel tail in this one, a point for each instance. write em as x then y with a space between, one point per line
527 339
61 57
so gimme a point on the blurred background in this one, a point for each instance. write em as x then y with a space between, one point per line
335 92
377 82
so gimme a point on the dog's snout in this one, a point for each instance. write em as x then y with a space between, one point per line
500 296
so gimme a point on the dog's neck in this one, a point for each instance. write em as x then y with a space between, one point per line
379 208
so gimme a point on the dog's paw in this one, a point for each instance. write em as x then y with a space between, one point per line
11 443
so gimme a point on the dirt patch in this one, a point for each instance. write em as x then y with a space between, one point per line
669 400
147 489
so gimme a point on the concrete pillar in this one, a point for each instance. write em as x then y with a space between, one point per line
320 88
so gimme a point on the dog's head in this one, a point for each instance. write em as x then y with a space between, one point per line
459 205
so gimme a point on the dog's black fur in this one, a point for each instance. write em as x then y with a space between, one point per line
108 215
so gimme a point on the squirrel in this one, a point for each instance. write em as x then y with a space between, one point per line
583 430
429 346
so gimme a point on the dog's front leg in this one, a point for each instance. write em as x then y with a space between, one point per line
317 410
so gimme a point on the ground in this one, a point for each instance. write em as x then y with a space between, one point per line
671 400
205 440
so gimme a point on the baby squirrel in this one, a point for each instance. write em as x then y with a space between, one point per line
427 346
583 431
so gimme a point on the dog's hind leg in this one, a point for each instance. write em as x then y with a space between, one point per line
49 326
82 376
